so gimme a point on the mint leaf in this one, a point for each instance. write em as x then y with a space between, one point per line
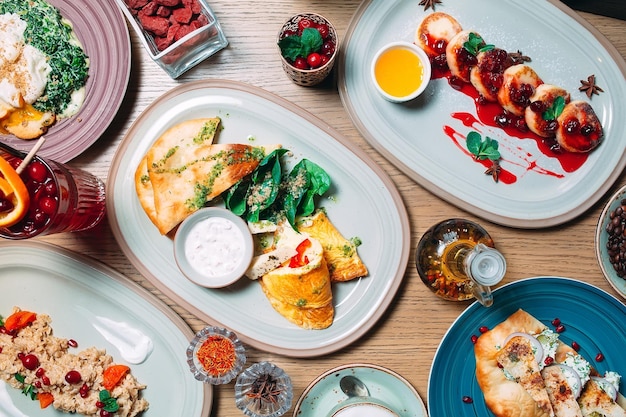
109 403
294 46
290 47
555 110
311 41
476 44
482 149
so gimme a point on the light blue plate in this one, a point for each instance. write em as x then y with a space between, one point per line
78 293
592 317
602 237
412 137
324 393
363 202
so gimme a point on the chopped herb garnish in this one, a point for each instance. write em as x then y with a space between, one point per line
29 389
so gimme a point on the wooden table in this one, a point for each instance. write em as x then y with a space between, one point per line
407 336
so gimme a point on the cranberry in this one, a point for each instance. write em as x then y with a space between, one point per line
37 171
301 63
467 399
305 23
521 125
5 205
456 82
586 130
314 60
575 346
538 106
50 188
40 218
502 120
48 205
572 126
552 126
440 61
325 60
30 362
323 29
289 33
474 339
73 377
328 48
599 357
440 46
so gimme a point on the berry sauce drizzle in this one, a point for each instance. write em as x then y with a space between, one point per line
486 114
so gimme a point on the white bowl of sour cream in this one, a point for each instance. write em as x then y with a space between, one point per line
213 247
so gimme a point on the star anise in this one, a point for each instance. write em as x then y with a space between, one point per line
518 57
494 171
429 4
590 87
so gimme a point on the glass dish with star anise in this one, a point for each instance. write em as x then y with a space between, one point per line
263 390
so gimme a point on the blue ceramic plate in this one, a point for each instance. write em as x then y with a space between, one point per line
592 317
412 136
80 295
324 393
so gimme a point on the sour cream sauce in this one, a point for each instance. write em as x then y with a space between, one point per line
215 247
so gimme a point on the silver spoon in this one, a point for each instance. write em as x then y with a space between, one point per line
353 387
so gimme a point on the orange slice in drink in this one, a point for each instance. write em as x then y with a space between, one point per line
12 189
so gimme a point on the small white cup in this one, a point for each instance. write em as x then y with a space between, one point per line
423 60
362 407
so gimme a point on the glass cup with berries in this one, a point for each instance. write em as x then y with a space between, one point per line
46 197
308 46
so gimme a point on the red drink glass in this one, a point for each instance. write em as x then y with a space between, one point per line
62 199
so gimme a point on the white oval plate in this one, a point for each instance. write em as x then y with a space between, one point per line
363 203
76 291
564 49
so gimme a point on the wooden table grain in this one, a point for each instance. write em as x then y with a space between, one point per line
406 337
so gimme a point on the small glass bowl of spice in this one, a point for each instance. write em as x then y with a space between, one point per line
215 355
264 390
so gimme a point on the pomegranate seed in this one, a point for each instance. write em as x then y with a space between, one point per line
599 357
30 362
0 349
73 343
575 346
548 360
45 380
20 355
560 328
99 404
73 377
556 322
474 339
37 384
40 372
483 329
467 399
104 413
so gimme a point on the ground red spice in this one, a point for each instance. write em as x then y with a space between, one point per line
217 355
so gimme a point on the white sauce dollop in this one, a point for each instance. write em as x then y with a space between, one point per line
214 247
23 69
134 346
7 408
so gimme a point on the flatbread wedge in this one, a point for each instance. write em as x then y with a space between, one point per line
505 397
193 132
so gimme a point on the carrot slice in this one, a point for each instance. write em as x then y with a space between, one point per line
19 320
113 375
12 187
45 399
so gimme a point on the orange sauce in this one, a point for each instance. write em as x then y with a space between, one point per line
399 72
